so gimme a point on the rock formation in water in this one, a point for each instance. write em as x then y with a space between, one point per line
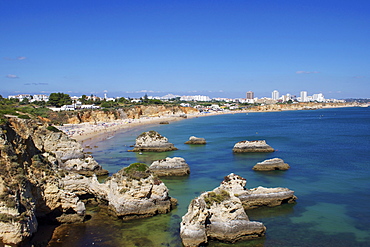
218 215
256 197
252 147
170 167
152 141
133 192
196 140
36 183
271 165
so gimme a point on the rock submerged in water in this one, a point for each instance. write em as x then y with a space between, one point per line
170 167
259 146
196 140
152 141
271 165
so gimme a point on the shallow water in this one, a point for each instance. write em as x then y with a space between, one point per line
328 151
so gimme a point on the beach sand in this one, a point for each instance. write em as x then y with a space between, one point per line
102 130
84 131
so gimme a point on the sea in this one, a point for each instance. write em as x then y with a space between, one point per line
328 151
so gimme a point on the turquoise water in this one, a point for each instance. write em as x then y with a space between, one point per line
328 151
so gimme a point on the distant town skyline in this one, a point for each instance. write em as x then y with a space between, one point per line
214 48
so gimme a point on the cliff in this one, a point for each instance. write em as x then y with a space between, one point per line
39 179
133 112
29 180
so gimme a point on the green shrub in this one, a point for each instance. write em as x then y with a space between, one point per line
136 171
24 116
213 197
52 128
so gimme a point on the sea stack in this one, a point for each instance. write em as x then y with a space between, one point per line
256 197
217 215
152 141
196 140
271 165
170 167
259 146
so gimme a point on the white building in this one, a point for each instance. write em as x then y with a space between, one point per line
20 97
275 95
195 98
318 97
40 97
304 97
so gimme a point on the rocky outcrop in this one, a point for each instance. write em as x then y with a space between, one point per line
252 147
196 140
133 192
29 182
133 112
271 165
170 167
152 141
270 197
67 153
257 197
218 215
34 184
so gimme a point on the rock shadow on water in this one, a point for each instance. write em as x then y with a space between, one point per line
264 212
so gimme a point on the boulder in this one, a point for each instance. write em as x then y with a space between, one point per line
257 197
152 141
196 140
271 165
217 215
252 147
170 167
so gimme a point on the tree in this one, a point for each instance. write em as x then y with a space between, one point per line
59 99
83 99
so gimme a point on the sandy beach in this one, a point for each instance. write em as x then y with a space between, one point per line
84 131
87 131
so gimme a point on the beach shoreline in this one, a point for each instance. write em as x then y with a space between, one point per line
86 132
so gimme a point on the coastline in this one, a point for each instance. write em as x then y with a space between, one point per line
84 132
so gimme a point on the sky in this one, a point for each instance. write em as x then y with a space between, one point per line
217 48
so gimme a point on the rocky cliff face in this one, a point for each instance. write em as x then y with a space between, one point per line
135 112
29 181
38 179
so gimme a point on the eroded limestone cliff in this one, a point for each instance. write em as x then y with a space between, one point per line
39 179
133 112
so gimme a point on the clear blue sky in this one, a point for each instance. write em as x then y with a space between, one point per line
215 48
